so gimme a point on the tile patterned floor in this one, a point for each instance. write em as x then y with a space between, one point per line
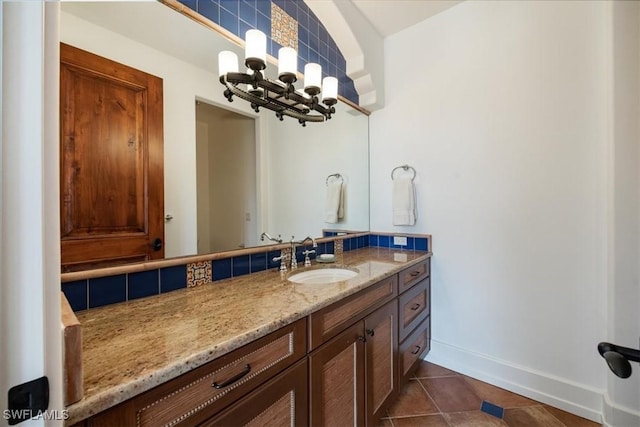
439 397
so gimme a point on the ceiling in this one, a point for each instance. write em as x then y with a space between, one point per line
390 16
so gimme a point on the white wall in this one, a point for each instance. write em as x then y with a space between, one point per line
505 121
300 160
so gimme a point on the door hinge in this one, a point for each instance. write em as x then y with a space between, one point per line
27 400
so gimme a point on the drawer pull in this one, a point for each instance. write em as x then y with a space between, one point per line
415 306
417 350
415 273
232 380
371 332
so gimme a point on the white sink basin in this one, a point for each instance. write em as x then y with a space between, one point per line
322 276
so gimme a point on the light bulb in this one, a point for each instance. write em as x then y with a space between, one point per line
287 64
329 90
255 50
227 62
312 78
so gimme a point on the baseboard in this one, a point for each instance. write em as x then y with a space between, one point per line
575 398
618 416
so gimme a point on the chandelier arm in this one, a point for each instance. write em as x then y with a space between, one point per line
273 104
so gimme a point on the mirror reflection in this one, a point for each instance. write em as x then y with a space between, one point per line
229 173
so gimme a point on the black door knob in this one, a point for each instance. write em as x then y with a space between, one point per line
157 244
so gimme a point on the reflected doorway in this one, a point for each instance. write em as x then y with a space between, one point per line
225 179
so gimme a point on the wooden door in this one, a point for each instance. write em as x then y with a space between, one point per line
111 155
337 380
280 402
381 332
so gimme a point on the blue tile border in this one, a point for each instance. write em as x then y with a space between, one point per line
107 290
173 278
96 292
221 269
143 284
241 265
77 294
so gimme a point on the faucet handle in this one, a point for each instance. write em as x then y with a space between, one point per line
307 261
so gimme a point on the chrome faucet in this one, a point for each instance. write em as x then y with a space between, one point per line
265 234
283 261
294 261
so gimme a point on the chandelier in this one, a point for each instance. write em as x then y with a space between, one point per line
278 95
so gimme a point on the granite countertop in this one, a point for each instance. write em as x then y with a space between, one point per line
131 347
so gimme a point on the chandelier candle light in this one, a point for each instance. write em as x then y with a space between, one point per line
278 95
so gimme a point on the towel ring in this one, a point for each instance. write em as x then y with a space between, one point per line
406 168
336 176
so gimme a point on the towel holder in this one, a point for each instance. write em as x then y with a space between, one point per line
336 176
406 168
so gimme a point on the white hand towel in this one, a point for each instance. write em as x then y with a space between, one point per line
403 201
334 202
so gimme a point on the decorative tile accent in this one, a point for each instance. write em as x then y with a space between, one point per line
338 247
199 273
284 28
492 409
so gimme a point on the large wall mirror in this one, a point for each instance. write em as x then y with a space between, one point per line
229 173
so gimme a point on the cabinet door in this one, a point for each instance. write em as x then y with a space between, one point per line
283 401
381 348
337 380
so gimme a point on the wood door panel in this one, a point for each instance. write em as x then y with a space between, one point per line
104 145
381 348
337 380
112 183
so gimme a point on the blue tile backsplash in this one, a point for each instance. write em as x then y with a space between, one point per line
172 278
315 44
107 290
143 284
84 294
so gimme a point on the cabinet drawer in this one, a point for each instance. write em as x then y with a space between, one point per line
412 275
197 395
413 307
412 349
328 322
283 401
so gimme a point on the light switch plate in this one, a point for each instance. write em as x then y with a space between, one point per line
400 240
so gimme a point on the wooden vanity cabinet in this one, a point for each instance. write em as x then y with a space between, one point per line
353 376
341 365
203 392
414 326
283 401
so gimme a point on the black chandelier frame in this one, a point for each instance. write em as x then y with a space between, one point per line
280 97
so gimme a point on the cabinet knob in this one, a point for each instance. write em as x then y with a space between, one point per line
362 339
370 332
